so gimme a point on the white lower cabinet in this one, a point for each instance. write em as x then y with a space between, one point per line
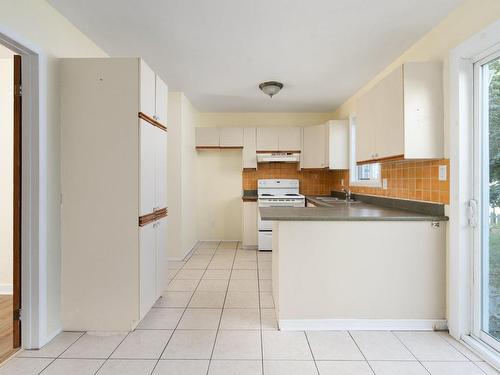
147 267
161 248
250 231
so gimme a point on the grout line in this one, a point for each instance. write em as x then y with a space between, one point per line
312 353
363 354
407 348
222 310
260 315
182 315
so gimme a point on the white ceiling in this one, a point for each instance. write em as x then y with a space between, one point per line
218 51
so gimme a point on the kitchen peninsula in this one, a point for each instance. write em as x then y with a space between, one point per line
367 266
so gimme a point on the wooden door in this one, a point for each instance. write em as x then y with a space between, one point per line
17 202
290 139
161 99
314 152
147 82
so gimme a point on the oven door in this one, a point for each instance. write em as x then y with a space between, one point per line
265 240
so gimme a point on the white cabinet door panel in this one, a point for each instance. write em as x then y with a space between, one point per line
268 139
338 144
389 136
161 100
231 137
249 148
161 246
207 137
147 268
290 139
314 151
161 168
250 231
147 81
147 167
366 123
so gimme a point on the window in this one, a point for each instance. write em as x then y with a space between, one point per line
364 174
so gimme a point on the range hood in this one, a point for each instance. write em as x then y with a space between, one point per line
278 157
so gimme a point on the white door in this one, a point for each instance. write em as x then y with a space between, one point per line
161 99
290 139
147 268
147 82
366 127
147 167
389 132
249 148
314 151
267 139
160 168
486 187
161 249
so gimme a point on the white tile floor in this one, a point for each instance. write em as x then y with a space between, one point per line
217 318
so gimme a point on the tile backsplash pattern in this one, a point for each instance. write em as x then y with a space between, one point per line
415 180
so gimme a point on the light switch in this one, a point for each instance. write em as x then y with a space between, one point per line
442 173
384 183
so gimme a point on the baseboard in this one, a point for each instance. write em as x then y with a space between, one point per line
361 324
6 289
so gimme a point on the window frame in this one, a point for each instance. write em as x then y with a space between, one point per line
353 167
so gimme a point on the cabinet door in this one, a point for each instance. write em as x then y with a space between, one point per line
290 139
161 168
313 153
161 99
389 135
147 90
231 137
147 167
161 248
207 137
249 148
147 268
250 231
338 144
366 122
268 139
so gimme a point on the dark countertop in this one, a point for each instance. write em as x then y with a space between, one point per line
249 196
360 211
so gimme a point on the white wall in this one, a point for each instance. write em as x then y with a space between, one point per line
219 204
182 177
37 26
6 171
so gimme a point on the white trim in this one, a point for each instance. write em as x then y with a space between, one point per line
482 350
362 324
33 273
461 60
6 289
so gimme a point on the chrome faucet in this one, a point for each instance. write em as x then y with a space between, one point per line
347 194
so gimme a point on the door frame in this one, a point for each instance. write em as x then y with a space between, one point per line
33 268
461 148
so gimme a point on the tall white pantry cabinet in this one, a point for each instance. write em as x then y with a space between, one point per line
114 199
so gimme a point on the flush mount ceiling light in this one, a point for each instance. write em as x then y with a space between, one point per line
271 87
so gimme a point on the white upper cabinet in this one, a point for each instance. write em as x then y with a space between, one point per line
402 115
161 101
207 137
147 79
337 151
268 139
147 167
290 139
231 137
314 150
249 148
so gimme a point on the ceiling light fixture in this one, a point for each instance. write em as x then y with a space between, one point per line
271 87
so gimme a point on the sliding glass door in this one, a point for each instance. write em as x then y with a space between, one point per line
486 292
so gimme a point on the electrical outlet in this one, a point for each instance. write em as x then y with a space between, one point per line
384 183
342 182
442 173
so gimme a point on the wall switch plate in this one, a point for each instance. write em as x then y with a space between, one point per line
384 183
342 182
442 173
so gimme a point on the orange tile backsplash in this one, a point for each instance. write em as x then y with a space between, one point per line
415 180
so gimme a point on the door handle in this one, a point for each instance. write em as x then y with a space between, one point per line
472 209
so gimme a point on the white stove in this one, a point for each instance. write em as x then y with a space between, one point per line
276 193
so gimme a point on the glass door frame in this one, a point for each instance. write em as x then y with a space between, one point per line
481 196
